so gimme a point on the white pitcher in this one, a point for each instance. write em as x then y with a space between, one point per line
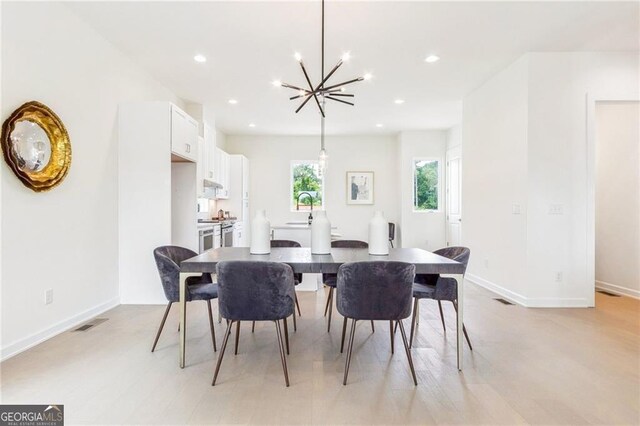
260 234
378 234
321 234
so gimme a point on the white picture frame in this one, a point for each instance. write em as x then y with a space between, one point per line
360 187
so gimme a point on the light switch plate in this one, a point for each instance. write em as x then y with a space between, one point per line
48 297
515 209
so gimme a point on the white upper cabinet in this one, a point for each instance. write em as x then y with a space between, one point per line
245 177
221 172
210 154
184 135
201 167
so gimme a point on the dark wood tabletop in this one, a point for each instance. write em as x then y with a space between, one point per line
301 260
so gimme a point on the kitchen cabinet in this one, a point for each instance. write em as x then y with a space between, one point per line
223 167
201 167
184 135
239 237
210 156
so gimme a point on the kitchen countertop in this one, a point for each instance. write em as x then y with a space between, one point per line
302 226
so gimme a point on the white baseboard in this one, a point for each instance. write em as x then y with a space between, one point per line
529 302
616 289
507 294
28 342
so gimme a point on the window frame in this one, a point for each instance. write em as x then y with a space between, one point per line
292 206
439 186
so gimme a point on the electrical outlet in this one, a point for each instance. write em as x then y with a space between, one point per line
48 297
556 209
486 263
559 277
515 209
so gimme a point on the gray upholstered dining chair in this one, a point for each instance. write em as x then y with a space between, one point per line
330 280
255 291
435 287
377 290
168 259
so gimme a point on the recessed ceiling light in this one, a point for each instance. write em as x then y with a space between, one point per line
379 125
252 125
399 101
200 58
232 101
432 58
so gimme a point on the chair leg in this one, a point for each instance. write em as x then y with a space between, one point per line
326 307
391 335
295 325
164 318
286 334
297 304
227 333
373 328
349 351
237 336
213 331
442 316
283 358
330 310
406 349
464 330
344 331
414 320
253 326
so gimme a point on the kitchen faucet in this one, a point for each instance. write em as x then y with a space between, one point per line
298 204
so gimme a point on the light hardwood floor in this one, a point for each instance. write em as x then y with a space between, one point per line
535 366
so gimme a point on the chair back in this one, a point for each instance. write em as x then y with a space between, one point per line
349 244
284 243
255 291
378 290
392 231
168 259
459 254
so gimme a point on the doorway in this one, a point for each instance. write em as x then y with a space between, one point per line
454 196
617 197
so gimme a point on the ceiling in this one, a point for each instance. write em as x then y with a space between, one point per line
250 44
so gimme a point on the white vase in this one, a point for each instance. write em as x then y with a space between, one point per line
378 235
321 234
260 234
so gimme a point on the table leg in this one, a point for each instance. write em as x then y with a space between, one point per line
459 318
183 313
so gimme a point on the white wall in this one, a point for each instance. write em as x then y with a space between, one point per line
421 229
65 239
454 136
494 178
618 197
548 121
270 158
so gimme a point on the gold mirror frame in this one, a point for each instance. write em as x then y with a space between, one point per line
56 169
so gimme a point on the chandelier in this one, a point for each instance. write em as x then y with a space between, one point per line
322 91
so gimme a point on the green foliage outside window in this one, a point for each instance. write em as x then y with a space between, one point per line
306 178
425 184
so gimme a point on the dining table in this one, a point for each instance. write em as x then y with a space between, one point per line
303 261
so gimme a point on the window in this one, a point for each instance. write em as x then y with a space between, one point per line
426 184
306 177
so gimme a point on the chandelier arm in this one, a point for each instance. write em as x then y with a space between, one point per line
303 104
340 94
299 96
339 100
288 86
343 84
315 96
324 80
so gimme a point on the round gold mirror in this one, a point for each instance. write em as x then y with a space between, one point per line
36 146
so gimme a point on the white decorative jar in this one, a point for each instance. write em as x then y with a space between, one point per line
260 234
378 235
321 234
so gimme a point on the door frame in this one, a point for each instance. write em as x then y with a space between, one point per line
591 100
453 151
